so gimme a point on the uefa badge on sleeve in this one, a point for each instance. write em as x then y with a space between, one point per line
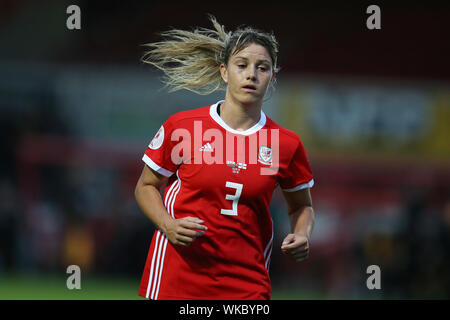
158 139
265 155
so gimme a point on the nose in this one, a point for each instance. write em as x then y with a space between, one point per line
252 74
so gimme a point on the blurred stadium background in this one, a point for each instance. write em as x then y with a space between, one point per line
77 110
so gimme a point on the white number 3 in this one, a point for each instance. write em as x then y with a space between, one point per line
234 197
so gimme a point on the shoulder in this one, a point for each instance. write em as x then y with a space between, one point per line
286 136
187 116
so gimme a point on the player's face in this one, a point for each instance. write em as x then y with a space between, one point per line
248 74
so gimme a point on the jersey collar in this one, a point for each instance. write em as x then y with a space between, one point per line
219 120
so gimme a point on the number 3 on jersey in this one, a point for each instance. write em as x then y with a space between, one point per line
235 197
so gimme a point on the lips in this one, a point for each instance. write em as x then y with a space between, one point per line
249 88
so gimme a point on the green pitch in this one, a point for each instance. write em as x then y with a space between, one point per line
51 287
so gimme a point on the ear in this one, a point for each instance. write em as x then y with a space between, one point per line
223 72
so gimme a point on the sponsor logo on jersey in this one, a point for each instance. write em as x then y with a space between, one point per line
193 145
236 166
265 155
207 148
157 141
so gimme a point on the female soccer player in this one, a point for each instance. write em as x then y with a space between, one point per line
219 165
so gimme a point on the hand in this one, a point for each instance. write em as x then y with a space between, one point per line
184 231
297 247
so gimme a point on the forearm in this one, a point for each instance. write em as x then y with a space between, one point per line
150 202
302 221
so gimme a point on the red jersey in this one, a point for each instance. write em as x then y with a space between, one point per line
226 178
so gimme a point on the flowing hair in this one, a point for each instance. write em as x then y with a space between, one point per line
191 59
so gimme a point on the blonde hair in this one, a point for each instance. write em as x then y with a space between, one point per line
191 59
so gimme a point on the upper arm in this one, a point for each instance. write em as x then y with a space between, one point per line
295 173
297 199
151 177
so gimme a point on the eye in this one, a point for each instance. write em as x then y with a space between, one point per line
263 68
241 65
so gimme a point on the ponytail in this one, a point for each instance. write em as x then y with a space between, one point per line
191 59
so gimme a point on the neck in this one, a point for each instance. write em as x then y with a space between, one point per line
240 116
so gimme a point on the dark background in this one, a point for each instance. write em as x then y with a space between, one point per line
77 110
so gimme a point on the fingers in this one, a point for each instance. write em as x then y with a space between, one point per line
191 227
297 254
297 247
298 250
293 241
187 230
190 233
301 257
184 241
290 238
193 223
294 245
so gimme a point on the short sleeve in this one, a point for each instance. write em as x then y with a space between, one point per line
297 175
158 155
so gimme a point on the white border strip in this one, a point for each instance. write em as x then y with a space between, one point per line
150 278
155 167
175 193
160 270
170 210
267 255
161 244
155 280
213 113
301 186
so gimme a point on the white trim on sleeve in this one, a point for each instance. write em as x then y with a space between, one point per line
155 167
300 186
